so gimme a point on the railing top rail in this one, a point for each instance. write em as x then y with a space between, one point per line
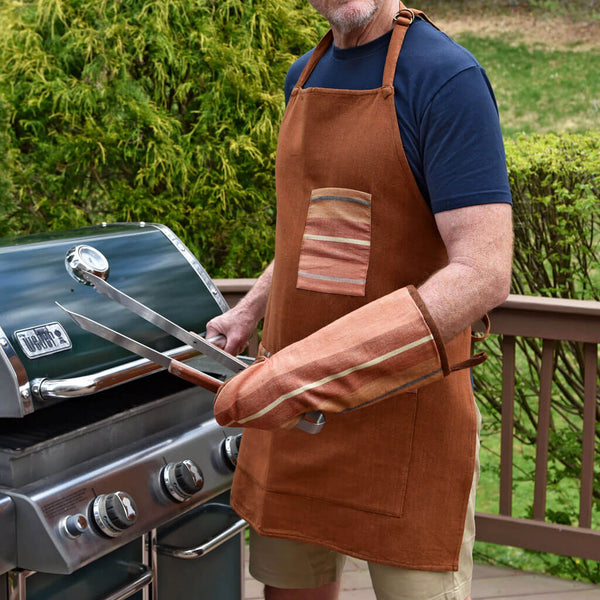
548 318
588 308
231 286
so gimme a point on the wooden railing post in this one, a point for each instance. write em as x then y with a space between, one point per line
508 412
589 434
543 432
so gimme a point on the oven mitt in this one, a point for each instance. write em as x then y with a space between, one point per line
385 347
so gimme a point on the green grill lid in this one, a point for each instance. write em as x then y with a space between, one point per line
40 343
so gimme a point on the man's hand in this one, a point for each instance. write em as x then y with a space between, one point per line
238 324
235 327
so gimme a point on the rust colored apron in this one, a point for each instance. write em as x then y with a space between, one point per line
390 482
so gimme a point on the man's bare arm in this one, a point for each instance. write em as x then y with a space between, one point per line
239 323
477 278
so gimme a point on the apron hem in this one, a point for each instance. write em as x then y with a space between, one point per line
294 535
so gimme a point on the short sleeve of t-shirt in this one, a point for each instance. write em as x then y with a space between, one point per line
447 113
461 152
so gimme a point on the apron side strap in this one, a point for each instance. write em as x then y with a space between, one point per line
486 325
475 360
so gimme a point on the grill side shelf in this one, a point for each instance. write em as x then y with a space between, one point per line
8 558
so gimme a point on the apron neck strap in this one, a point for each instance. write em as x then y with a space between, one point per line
402 21
316 56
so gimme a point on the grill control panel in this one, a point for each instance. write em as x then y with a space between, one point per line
81 514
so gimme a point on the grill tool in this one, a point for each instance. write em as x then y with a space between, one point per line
311 422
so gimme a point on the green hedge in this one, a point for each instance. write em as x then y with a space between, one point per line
555 182
156 111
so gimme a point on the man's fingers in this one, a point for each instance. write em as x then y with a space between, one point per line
219 340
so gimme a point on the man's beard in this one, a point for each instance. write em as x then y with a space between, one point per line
347 18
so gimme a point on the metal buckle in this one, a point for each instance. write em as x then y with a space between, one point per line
405 10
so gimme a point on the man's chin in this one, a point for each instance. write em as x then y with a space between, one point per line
347 16
352 16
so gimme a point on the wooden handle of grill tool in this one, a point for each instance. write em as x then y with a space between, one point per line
194 376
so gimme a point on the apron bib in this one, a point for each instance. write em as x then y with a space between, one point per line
387 483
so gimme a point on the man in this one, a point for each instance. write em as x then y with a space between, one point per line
393 236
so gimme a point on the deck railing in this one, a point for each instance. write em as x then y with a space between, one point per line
549 320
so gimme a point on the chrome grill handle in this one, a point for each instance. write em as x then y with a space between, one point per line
76 387
210 545
143 578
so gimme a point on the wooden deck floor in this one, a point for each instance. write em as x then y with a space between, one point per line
493 583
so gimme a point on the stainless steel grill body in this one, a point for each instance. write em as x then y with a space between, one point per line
100 450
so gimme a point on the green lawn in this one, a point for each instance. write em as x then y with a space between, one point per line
540 90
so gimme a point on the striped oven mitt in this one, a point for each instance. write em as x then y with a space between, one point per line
385 347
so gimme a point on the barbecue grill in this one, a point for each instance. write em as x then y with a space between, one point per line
113 472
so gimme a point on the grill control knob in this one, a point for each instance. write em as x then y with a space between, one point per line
182 479
113 513
74 525
230 448
82 259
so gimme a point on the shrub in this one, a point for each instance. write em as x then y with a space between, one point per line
555 182
7 194
154 111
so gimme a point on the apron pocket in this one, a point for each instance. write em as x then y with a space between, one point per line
360 460
334 256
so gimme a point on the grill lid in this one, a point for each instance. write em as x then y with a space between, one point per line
44 356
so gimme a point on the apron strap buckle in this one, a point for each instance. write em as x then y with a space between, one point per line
402 11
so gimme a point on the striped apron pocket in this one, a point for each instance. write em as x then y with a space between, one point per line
336 245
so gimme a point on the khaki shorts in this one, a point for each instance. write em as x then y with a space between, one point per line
290 564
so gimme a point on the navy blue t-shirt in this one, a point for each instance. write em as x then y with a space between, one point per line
446 110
